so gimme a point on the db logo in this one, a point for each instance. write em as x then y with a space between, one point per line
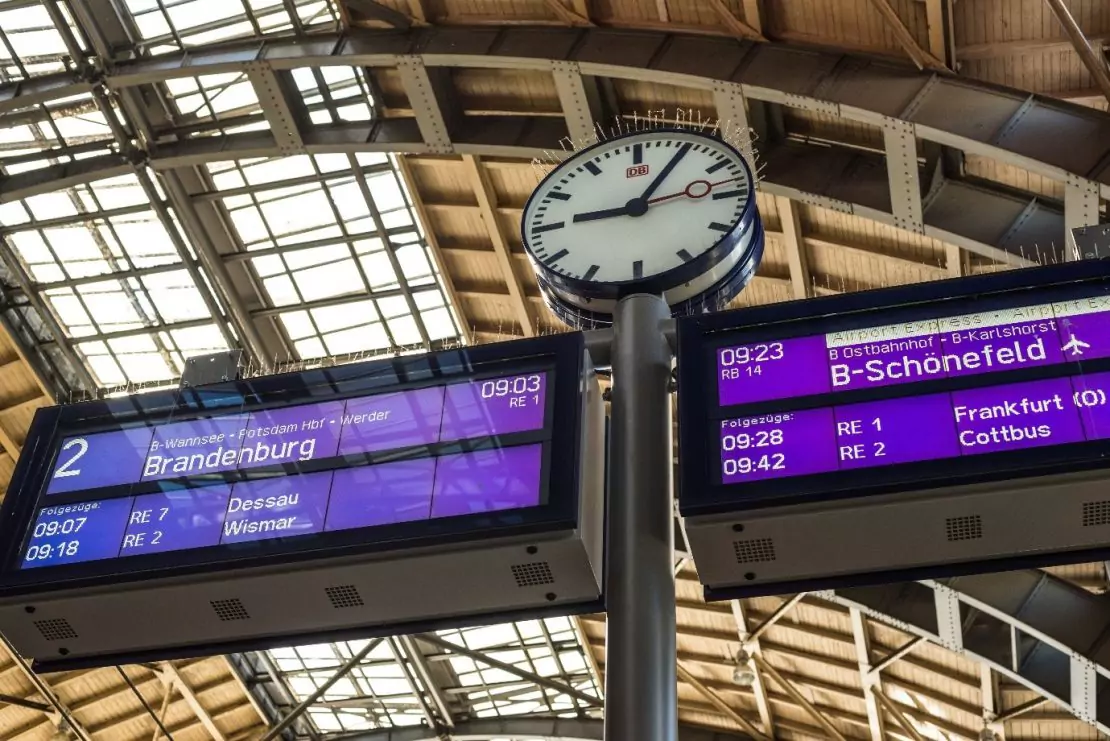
636 171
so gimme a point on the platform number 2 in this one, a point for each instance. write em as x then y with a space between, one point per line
66 469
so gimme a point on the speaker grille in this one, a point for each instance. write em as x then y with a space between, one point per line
1096 513
230 609
964 528
344 596
757 550
532 574
57 629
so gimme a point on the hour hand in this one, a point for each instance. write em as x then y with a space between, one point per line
603 214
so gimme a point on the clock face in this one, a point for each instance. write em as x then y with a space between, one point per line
638 207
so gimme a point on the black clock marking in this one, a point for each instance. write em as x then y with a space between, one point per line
591 272
559 196
594 169
686 256
637 153
719 226
728 194
713 168
548 227
556 257
638 269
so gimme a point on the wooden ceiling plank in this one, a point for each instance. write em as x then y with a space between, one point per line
735 26
417 11
994 49
715 700
753 15
935 12
796 254
831 730
662 11
487 203
954 261
566 15
1094 62
404 168
171 678
920 57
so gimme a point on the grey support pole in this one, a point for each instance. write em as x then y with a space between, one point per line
641 696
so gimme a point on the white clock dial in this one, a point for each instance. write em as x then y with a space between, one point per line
637 207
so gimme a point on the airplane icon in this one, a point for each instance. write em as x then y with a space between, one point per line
1075 345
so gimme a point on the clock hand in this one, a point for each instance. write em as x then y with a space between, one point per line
666 170
605 213
689 190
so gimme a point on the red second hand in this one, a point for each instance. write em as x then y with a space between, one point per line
686 191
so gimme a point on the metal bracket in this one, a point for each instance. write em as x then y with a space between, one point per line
215 368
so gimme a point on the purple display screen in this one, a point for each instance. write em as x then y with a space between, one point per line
421 484
286 506
940 426
305 432
950 347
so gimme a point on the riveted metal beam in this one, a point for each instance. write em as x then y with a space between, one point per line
425 103
272 94
868 678
900 146
575 102
1081 208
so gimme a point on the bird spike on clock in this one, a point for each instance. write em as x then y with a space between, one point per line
737 134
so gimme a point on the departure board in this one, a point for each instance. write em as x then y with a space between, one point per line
981 377
326 457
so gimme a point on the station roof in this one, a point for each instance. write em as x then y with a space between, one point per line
320 182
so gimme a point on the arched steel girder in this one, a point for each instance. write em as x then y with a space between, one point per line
1054 632
1061 141
1038 630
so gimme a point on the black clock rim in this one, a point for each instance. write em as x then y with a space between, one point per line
714 299
664 281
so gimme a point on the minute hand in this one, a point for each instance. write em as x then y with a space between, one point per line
666 171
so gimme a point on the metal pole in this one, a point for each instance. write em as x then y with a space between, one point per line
641 695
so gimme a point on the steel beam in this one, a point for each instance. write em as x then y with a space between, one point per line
425 103
291 718
61 716
276 106
732 113
759 686
896 713
487 203
799 698
797 256
419 665
575 103
900 145
528 676
722 707
869 679
1081 208
988 692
